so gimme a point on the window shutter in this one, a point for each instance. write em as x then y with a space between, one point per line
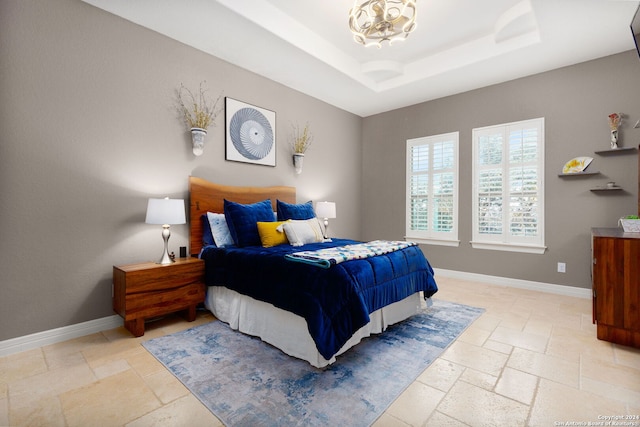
432 193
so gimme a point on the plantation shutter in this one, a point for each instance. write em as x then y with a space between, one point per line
432 171
508 186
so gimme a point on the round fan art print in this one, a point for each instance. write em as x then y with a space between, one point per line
250 133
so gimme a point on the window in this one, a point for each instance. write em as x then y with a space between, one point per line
508 187
432 189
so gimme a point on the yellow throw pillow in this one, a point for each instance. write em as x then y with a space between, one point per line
269 235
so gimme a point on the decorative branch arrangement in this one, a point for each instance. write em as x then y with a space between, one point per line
301 140
198 113
300 143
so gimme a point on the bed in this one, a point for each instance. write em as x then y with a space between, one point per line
310 312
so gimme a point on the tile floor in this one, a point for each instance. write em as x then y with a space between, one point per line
531 359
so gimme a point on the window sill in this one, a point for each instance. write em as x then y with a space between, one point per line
509 247
439 242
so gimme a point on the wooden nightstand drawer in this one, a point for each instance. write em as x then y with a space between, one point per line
148 276
147 290
155 303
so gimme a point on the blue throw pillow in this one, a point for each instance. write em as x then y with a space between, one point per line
292 211
242 221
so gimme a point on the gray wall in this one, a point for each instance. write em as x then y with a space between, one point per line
575 102
89 131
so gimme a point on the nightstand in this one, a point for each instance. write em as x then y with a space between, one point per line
145 290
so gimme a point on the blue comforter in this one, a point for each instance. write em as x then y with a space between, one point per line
335 302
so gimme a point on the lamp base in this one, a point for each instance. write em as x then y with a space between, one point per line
166 258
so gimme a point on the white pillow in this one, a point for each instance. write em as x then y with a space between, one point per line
301 232
219 229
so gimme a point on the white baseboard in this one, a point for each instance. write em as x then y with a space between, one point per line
52 336
571 291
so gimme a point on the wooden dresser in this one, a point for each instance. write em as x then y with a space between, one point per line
145 290
616 285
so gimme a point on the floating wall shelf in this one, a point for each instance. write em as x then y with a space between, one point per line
606 189
563 175
624 150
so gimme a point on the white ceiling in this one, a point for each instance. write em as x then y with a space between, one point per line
458 45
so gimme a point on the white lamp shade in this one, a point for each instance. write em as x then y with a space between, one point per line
165 211
326 209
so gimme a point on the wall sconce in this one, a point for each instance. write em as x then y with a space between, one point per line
326 210
166 212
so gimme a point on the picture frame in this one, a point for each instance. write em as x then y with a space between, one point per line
250 133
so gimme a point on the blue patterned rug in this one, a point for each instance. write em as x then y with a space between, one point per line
246 382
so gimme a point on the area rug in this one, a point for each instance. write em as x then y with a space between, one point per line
246 382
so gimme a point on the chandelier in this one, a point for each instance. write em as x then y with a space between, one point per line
375 21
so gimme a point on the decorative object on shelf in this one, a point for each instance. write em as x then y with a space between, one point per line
611 184
198 113
300 143
577 164
630 223
166 212
251 133
615 119
326 210
375 21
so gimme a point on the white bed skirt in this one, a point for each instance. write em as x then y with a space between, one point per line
288 331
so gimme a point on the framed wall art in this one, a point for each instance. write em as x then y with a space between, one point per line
250 133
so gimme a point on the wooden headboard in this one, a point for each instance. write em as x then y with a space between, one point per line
205 196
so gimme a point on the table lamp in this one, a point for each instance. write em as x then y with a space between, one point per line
326 210
166 212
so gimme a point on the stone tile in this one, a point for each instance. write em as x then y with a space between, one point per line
68 353
4 411
479 358
611 391
115 400
517 385
145 364
478 407
386 420
45 411
111 368
620 375
112 351
441 374
416 404
186 411
516 321
30 390
498 346
166 386
545 366
538 327
556 403
479 379
474 335
441 420
488 322
520 339
22 365
627 356
570 344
